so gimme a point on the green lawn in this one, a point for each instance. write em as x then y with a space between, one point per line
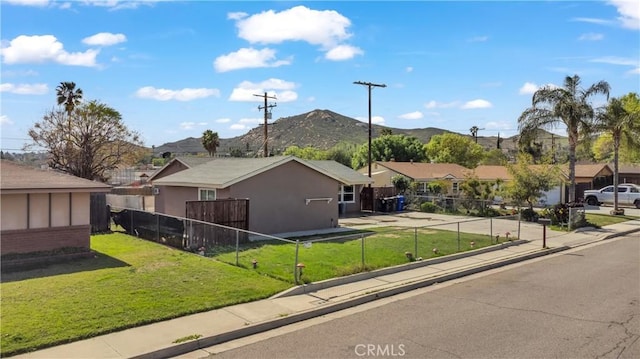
383 247
131 282
601 220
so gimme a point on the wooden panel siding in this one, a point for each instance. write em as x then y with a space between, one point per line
100 216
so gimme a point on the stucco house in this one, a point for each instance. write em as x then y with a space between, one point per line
628 173
286 194
422 173
44 210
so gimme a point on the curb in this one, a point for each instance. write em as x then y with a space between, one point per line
315 286
205 342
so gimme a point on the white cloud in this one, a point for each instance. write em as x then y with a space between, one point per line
479 103
591 36
186 94
248 58
223 120
377 120
28 2
416 115
104 39
237 15
24 89
191 125
18 73
326 28
615 60
528 88
478 39
281 89
635 71
409 69
251 121
44 48
434 104
343 52
238 127
5 120
629 11
592 20
495 125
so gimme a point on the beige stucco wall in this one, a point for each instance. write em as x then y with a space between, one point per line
13 213
381 175
43 207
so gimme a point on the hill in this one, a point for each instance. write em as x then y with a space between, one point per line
321 129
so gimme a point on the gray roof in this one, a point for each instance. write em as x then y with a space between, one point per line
18 178
192 161
345 174
224 172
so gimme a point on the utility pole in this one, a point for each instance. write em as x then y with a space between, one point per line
267 114
369 85
553 149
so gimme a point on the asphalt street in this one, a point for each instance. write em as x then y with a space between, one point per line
581 303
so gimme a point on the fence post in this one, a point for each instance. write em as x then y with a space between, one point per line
157 228
491 229
237 247
190 232
295 264
131 232
362 249
519 219
570 219
458 223
415 244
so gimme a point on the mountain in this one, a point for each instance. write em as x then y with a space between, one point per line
321 129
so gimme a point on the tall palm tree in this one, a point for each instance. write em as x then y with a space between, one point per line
568 105
616 120
474 132
210 142
69 96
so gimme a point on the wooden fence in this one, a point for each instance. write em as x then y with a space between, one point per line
227 212
100 216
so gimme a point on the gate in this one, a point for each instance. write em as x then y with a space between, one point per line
366 199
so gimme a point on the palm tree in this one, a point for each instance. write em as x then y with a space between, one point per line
474 133
568 105
69 96
620 123
210 142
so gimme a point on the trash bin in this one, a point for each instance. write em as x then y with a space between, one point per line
400 203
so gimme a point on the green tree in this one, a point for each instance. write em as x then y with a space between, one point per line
401 183
568 105
342 153
399 148
619 123
99 140
454 148
494 157
386 132
210 142
477 194
307 153
530 182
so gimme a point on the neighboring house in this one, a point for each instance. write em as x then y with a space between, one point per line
628 173
286 194
588 176
44 210
419 172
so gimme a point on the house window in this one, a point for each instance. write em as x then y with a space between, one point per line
206 194
346 194
454 187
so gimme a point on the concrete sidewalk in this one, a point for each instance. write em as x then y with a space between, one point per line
217 326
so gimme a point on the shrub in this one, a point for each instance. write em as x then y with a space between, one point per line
530 215
428 207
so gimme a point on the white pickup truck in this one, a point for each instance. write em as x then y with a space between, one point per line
628 195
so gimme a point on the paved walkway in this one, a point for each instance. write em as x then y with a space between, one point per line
305 302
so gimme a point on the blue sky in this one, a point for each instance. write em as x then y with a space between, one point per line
175 69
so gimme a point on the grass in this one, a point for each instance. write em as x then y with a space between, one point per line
383 247
130 282
601 220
